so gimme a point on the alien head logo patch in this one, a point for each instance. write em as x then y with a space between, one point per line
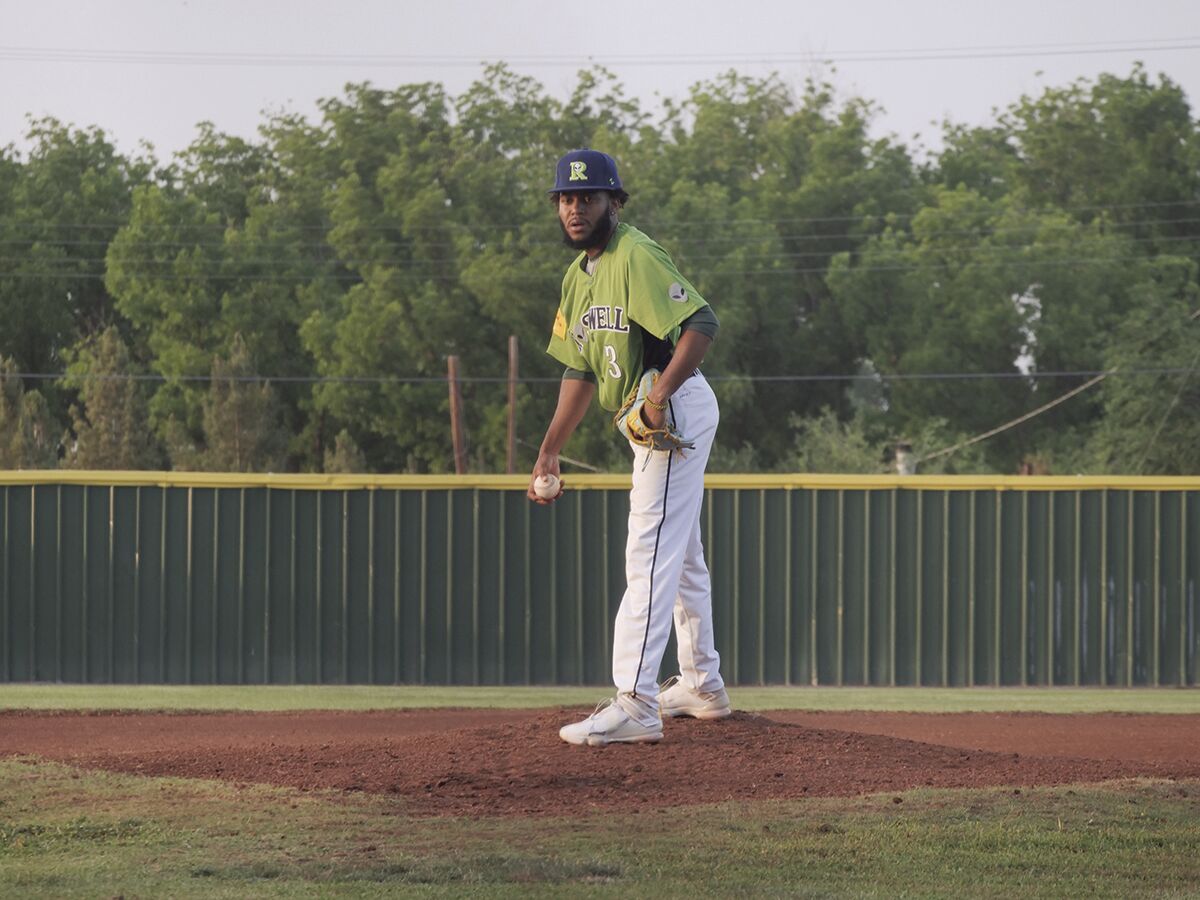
677 292
578 171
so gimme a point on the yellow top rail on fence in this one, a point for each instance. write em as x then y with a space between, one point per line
760 481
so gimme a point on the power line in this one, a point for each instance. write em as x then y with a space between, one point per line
674 241
1017 421
614 60
488 379
411 262
650 222
456 279
886 216
1100 376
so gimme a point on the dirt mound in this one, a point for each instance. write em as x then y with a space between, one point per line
521 767
1142 737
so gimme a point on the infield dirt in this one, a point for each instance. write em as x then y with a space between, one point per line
502 762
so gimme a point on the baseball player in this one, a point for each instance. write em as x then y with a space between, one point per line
631 331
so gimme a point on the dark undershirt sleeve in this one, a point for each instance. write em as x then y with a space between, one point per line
703 320
570 374
656 353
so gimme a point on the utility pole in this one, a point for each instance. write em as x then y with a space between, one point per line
510 465
456 426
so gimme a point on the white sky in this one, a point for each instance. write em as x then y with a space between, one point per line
162 102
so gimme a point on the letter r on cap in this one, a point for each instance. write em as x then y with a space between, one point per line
578 171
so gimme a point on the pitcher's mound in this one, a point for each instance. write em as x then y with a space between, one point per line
520 767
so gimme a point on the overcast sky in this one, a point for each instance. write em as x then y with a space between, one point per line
124 65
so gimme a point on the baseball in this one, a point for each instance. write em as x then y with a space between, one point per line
546 486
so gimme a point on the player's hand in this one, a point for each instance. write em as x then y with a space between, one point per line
546 465
643 425
655 418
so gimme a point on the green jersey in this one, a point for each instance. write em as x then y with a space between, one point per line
603 319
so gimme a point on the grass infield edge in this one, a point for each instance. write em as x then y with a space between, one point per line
283 698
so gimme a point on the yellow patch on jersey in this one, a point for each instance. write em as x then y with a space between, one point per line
560 326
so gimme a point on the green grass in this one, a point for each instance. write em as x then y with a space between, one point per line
1051 700
68 833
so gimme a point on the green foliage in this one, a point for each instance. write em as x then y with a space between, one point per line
352 254
345 457
863 445
825 444
59 209
28 433
241 430
1151 421
1124 148
110 420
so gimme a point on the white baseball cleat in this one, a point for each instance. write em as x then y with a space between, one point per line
677 699
609 723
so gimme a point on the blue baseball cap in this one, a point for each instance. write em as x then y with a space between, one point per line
586 170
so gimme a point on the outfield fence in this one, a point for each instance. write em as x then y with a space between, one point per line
857 580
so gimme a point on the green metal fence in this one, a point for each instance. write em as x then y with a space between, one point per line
154 578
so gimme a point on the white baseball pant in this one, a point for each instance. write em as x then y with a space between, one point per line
666 575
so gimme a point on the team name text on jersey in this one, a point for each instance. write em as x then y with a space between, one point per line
605 318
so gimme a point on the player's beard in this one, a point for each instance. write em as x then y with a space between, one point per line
597 237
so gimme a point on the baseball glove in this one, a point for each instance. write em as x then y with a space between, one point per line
632 424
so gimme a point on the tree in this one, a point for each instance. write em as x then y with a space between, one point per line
110 421
62 205
395 228
754 201
1151 419
241 429
345 457
825 444
165 271
28 432
974 286
406 225
1126 150
231 242
285 271
223 172
983 160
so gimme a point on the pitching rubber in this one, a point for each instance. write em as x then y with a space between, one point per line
699 713
601 740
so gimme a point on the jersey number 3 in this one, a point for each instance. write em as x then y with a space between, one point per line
610 356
